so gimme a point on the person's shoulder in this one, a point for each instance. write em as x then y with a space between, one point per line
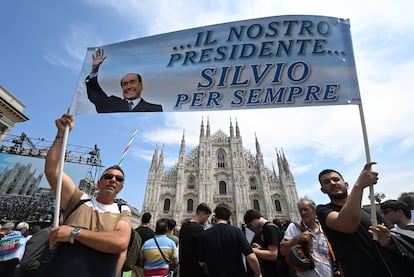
292 230
409 227
174 238
151 106
124 208
191 226
147 243
14 235
271 229
323 205
328 206
290 227
144 229
270 225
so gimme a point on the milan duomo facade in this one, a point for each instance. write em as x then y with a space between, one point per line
19 180
218 171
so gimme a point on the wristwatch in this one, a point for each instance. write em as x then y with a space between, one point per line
73 234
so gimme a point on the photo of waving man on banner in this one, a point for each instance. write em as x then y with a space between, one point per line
131 85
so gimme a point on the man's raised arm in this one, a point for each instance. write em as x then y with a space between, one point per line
52 164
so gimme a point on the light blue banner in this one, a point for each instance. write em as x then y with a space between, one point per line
272 62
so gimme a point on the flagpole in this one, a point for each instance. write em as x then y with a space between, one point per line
368 157
60 177
127 147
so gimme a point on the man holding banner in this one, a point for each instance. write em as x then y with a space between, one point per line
96 230
131 85
346 225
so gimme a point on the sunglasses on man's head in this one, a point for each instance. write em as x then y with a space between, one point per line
109 176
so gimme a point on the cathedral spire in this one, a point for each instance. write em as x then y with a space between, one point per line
237 129
273 168
285 164
154 162
258 150
279 162
182 148
161 160
201 128
231 129
208 127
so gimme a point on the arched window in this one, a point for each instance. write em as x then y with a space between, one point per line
167 203
256 205
191 182
278 206
222 187
190 204
221 159
253 183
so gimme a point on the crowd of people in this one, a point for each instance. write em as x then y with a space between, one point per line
94 237
17 208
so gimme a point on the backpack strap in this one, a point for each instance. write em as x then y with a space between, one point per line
82 201
156 242
132 230
300 226
336 266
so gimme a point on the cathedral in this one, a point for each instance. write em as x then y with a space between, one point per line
19 180
219 170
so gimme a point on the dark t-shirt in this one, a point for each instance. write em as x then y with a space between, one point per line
221 247
358 253
69 260
145 233
188 244
270 235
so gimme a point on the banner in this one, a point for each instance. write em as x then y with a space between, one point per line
272 62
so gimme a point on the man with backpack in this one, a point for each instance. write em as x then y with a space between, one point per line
267 251
92 238
159 254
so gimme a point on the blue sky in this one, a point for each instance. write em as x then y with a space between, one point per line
44 44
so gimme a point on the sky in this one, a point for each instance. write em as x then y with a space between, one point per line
44 44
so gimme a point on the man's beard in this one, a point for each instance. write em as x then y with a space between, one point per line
340 196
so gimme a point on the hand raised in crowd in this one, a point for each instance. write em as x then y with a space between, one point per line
98 59
367 177
66 119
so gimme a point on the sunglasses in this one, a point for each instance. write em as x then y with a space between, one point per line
109 176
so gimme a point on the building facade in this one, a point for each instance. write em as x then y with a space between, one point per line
11 111
220 170
20 180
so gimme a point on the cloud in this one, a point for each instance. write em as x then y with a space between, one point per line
71 49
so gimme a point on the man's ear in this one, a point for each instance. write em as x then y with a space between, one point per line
322 189
346 185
